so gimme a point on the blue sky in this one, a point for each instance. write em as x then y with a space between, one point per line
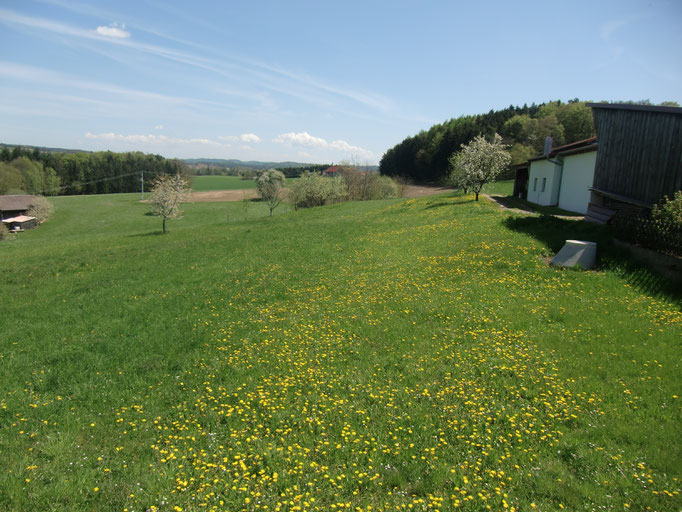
312 81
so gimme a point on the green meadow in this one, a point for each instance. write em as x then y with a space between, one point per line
210 183
383 355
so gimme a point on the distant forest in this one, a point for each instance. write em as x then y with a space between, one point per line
248 172
45 171
424 157
32 171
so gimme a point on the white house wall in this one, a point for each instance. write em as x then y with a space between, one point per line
544 170
578 174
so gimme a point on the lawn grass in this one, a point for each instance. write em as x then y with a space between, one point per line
503 187
375 354
210 183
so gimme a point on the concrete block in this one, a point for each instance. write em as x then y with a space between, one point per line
576 252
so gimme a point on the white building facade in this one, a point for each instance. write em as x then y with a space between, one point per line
564 177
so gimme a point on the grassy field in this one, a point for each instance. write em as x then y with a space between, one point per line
402 354
209 183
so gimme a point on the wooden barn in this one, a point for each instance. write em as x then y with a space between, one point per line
639 158
14 205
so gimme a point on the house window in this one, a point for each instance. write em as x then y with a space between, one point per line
535 184
544 182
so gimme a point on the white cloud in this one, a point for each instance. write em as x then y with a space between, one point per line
113 30
307 140
244 137
158 127
149 139
302 139
249 137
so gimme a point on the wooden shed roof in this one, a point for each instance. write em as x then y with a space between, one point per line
15 202
641 108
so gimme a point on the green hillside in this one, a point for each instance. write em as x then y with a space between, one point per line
401 354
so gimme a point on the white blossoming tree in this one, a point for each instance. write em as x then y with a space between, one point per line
168 192
480 162
270 185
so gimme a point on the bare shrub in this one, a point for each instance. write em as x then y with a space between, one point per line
365 185
5 233
402 182
40 208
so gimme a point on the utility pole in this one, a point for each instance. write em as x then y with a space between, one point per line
141 185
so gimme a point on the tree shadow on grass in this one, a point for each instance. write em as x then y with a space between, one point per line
450 200
554 232
511 202
151 233
437 205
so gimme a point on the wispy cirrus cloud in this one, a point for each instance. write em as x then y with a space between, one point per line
113 30
607 31
41 75
608 28
297 85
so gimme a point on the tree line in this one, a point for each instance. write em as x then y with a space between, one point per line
425 156
247 172
102 172
24 176
295 172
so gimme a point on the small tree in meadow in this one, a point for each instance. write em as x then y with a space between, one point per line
458 177
168 192
270 185
246 204
482 161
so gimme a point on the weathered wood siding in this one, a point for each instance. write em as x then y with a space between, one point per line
640 152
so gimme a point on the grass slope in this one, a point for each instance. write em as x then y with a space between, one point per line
361 356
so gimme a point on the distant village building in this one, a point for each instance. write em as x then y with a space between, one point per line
332 172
